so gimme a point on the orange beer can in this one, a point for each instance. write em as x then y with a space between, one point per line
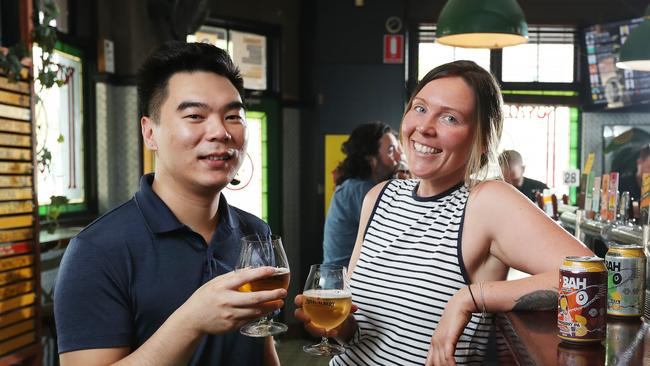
582 300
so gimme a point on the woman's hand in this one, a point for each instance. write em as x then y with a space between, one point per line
341 330
457 314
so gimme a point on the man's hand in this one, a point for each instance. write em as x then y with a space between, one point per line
218 307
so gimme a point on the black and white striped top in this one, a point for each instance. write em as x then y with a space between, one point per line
409 267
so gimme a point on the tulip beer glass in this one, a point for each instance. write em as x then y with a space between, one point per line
327 302
260 251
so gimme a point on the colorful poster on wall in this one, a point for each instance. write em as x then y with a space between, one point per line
249 53
333 156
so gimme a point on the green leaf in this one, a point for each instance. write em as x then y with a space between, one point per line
60 139
58 201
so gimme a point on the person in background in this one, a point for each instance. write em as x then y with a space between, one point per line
372 155
642 167
512 168
152 282
431 257
403 170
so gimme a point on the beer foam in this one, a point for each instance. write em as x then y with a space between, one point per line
280 271
328 294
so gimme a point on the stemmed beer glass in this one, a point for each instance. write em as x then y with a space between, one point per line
328 300
262 251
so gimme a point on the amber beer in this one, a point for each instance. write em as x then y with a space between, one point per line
280 279
327 308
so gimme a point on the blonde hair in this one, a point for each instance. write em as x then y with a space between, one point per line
488 113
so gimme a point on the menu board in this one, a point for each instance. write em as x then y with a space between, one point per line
19 253
609 86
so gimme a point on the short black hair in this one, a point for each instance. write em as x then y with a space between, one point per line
174 57
362 143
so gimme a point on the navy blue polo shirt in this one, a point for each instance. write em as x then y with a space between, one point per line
125 274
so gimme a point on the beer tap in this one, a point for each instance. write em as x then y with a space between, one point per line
623 211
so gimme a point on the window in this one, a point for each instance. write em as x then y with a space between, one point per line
547 57
251 191
543 135
248 52
59 119
436 54
432 54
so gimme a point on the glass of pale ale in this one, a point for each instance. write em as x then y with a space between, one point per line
263 251
327 301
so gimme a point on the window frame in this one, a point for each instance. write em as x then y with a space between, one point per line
512 90
81 213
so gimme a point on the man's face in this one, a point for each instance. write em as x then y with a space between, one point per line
513 173
642 167
388 156
200 138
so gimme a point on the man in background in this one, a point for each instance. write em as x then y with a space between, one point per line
372 156
512 168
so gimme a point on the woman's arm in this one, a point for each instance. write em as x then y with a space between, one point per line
502 228
270 353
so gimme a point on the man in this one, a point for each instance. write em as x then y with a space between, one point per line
512 168
152 282
631 181
372 156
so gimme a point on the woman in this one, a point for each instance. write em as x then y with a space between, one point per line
432 253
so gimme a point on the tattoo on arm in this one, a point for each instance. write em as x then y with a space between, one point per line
538 300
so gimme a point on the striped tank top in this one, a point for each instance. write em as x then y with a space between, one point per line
409 267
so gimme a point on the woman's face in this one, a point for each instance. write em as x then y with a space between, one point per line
438 130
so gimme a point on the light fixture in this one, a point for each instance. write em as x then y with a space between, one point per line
481 24
635 52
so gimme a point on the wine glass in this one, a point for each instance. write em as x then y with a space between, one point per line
328 300
262 251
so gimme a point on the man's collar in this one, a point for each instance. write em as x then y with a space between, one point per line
158 216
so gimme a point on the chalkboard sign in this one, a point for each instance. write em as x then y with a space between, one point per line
608 86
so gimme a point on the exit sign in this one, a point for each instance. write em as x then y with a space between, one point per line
393 49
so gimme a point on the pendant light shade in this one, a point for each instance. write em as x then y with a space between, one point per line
481 24
635 52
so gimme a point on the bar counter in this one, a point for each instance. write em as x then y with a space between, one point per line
532 339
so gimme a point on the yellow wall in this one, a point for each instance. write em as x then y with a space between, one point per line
333 156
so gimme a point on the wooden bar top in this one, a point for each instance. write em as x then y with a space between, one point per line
532 338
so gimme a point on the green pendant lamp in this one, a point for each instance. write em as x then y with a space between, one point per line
635 52
482 24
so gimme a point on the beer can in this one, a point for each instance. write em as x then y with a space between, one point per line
582 300
621 334
625 280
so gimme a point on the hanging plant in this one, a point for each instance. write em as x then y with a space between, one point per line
45 36
14 61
